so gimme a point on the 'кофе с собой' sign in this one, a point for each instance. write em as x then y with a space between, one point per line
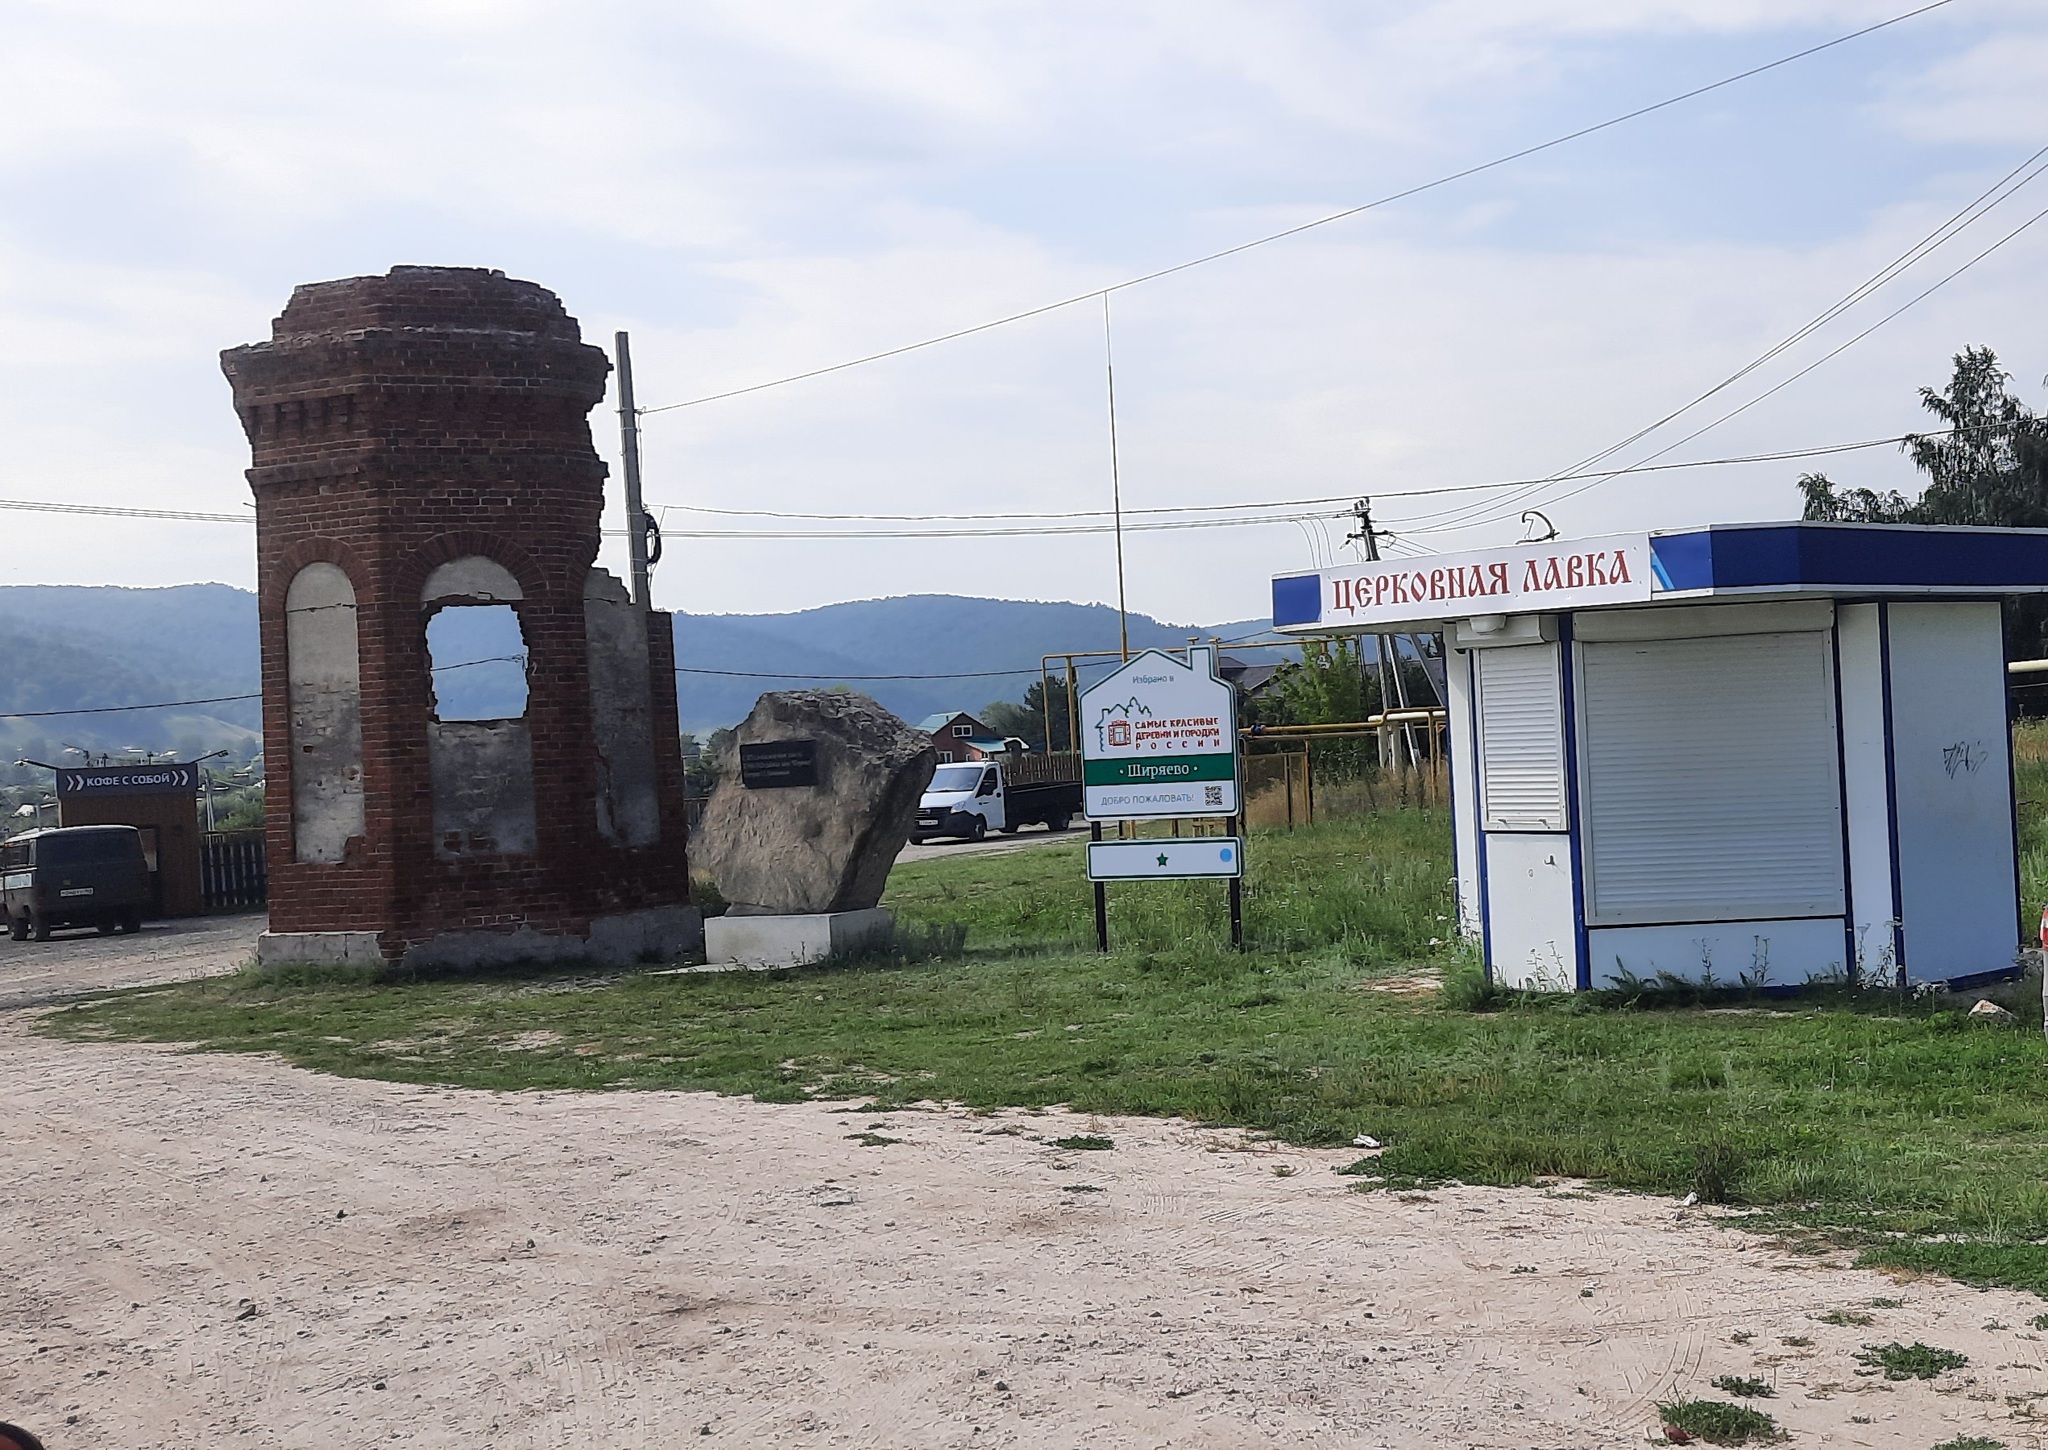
96 780
778 764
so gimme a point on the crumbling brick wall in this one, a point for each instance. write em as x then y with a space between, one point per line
399 423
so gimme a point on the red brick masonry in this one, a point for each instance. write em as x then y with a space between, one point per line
398 422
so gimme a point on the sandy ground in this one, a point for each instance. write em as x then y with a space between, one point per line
220 1250
33 973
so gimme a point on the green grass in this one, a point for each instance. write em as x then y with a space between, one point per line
1746 1388
1915 1361
1848 1118
2030 776
1394 896
1971 1442
1719 1423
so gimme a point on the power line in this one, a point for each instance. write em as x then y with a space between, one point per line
1069 528
2000 191
1979 207
219 699
124 709
1323 221
1777 456
798 675
107 511
1911 302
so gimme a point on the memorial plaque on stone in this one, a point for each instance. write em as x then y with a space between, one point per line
778 764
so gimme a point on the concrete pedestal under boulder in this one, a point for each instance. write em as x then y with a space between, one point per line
807 819
794 940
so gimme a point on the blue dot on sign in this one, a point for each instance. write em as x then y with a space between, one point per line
1225 854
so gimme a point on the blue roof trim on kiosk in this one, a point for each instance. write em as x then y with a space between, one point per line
1851 556
1768 753
1777 558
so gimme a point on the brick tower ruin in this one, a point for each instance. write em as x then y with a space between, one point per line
424 476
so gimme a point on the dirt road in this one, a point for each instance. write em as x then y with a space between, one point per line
33 973
218 1250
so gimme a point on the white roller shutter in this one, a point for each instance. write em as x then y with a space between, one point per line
1521 739
1710 787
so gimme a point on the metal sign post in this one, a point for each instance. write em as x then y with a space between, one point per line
1159 742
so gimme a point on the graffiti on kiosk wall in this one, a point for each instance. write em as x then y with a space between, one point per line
1497 581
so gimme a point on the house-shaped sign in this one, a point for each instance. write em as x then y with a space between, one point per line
1159 739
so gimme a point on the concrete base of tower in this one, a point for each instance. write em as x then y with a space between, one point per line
653 935
319 949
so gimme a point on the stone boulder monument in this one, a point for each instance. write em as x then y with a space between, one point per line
806 821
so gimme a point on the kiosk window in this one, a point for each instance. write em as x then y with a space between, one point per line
1711 785
1521 738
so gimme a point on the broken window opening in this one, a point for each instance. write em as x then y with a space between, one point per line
476 655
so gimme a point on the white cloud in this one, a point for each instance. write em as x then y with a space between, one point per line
755 190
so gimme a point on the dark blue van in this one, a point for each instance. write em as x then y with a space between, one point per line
74 876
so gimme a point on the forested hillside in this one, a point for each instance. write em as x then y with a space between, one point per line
63 647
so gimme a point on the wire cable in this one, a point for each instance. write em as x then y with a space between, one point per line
2001 190
1066 528
124 709
218 699
1289 503
786 675
1780 455
1914 301
1295 231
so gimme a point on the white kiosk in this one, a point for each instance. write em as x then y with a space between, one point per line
1764 752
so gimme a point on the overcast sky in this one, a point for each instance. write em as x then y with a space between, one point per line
755 189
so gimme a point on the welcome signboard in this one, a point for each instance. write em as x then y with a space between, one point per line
1524 579
1159 740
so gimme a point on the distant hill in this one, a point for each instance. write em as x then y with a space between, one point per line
994 643
64 646
67 646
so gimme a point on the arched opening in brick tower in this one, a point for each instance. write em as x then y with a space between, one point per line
476 658
323 665
479 745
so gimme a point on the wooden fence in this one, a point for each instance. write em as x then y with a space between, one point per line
232 875
1042 767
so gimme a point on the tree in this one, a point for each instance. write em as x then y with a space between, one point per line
1326 686
701 763
1987 467
1028 721
1829 505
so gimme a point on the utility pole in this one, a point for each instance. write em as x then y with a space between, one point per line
1369 537
1393 688
1116 489
629 452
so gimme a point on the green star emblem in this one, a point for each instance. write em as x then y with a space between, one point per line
1162 858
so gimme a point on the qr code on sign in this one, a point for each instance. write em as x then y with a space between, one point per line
1212 795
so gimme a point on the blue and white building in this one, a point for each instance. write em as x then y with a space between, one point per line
1773 752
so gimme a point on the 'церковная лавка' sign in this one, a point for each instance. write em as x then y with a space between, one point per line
1518 580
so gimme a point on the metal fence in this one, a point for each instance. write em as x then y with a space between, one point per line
232 874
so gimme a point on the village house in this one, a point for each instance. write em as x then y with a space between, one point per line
959 736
